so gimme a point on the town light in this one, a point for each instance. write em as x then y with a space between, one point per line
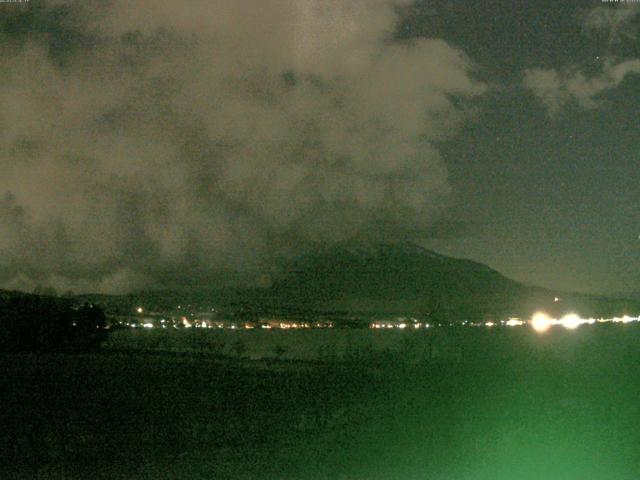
570 321
541 322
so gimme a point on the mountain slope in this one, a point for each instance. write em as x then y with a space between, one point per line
391 277
406 278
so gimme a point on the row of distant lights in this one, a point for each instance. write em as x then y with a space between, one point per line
401 326
184 323
541 322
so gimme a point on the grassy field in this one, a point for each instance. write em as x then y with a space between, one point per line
511 405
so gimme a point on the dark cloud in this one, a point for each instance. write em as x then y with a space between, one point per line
145 145
618 21
556 88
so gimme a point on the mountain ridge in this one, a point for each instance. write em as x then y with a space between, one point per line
376 278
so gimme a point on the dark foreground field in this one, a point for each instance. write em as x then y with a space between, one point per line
515 405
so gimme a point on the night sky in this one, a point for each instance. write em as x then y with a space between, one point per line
160 144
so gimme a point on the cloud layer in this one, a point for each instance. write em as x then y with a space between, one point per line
617 23
150 146
556 88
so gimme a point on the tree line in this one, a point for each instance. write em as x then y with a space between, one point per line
34 323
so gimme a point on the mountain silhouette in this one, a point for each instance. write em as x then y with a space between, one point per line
367 279
403 277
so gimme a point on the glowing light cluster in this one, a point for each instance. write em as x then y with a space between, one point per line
541 322
625 319
397 324
514 322
571 321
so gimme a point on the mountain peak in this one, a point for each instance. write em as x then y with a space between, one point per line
370 250
398 276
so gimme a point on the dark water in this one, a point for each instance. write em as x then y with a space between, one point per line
512 405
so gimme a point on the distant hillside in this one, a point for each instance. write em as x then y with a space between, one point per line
627 295
389 277
404 277
357 279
